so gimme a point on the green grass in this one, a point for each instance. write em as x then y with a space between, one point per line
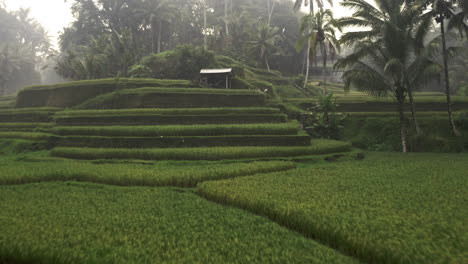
172 111
88 223
21 172
214 153
24 135
389 208
180 130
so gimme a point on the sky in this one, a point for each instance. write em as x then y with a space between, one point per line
54 15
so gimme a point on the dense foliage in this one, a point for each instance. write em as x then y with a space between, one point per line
24 46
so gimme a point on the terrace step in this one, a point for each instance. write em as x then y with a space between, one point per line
175 98
181 142
131 120
290 128
27 115
204 153
24 127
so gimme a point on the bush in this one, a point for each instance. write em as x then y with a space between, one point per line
322 120
239 83
184 62
461 120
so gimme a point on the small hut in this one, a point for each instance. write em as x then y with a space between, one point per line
216 78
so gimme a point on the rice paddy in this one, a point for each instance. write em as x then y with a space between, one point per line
389 208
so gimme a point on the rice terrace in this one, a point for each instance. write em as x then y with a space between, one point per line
234 131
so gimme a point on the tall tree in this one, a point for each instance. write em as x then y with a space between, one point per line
453 13
24 45
154 13
386 60
297 7
320 32
263 43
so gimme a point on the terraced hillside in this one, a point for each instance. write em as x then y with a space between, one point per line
156 120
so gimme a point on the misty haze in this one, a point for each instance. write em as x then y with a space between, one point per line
233 131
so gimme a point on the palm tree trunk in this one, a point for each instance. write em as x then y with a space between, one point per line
404 148
159 35
307 64
267 64
311 11
153 36
205 46
324 59
226 19
447 81
2 88
413 113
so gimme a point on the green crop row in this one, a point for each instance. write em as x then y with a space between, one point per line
131 174
24 135
73 93
215 153
175 130
173 111
89 223
24 126
181 142
153 99
7 104
27 114
125 120
7 98
389 208
363 98
151 90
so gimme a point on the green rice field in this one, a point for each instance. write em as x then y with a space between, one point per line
389 208
88 223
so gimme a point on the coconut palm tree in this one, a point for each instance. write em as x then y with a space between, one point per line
390 58
319 30
263 42
449 14
297 7
153 13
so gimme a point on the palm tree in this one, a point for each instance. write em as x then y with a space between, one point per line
8 64
153 14
390 58
263 42
297 6
444 11
319 30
